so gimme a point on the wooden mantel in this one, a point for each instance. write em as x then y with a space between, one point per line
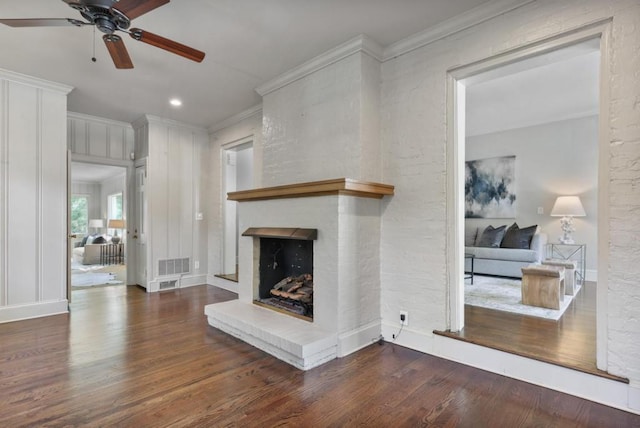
339 186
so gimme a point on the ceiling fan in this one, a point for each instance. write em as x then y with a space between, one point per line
110 16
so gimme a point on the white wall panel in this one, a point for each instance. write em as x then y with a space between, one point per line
33 132
24 194
100 140
172 183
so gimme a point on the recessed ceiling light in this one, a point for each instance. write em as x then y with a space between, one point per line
175 102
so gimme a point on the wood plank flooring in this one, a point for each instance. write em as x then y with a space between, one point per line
125 358
569 342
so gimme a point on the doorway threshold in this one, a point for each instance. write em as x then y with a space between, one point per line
550 360
228 276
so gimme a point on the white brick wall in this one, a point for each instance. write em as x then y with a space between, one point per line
413 113
320 127
313 127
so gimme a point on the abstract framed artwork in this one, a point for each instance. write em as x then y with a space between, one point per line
489 188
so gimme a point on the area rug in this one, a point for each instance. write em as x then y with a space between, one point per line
93 279
504 294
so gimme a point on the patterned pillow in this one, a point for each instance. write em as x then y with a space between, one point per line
492 237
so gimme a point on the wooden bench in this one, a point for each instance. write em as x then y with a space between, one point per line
543 286
570 286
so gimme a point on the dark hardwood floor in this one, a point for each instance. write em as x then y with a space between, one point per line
569 342
125 358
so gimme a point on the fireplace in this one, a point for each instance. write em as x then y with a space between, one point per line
343 260
285 273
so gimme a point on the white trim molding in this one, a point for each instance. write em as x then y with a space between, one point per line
359 43
82 116
236 118
34 81
33 310
475 16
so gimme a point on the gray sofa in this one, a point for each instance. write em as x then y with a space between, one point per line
503 261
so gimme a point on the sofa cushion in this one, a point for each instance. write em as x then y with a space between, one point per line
491 237
515 237
507 254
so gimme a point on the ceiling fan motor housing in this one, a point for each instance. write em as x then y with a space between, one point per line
102 14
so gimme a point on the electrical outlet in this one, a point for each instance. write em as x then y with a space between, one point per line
196 265
404 318
540 210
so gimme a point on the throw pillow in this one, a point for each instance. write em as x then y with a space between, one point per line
100 240
84 241
492 237
518 238
470 236
510 239
90 239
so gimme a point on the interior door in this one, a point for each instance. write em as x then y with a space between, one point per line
70 236
139 232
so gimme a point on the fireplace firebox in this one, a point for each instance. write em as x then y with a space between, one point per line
285 270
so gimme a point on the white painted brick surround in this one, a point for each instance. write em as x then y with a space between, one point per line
311 117
346 280
414 139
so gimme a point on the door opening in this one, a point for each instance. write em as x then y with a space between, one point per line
97 225
238 175
538 188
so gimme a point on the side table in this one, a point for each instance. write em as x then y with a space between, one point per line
574 252
112 254
469 273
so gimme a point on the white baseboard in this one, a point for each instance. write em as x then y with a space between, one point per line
33 310
181 282
590 387
357 339
225 284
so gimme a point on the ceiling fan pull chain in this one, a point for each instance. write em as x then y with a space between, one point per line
93 58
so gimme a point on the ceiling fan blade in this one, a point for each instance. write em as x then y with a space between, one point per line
41 22
135 8
118 51
168 45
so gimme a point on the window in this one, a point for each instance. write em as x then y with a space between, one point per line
114 205
79 214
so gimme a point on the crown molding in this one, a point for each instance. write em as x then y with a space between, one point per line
105 121
360 43
458 23
34 81
150 119
236 118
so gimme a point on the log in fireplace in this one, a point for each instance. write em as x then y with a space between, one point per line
285 269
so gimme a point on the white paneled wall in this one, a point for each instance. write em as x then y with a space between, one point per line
33 195
177 183
99 139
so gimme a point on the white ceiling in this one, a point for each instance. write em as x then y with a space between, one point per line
556 86
247 42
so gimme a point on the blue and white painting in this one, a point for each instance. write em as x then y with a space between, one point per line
489 188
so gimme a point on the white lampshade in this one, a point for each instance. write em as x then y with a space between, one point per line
568 206
96 222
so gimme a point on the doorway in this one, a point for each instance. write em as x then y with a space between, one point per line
97 211
460 80
237 175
